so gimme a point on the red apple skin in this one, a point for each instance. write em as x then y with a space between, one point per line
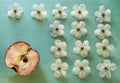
13 58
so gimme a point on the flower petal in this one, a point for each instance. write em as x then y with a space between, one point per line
77 35
55 12
107 27
101 8
84 31
99 45
61 27
57 74
53 48
100 19
82 24
57 54
85 62
16 5
82 74
100 52
64 66
107 19
54 67
108 12
75 7
84 53
57 42
58 62
97 32
105 42
85 13
87 69
72 32
76 50
106 63
102 73
86 43
63 15
105 53
58 6
82 7
100 26
112 66
18 15
100 66
63 53
63 73
73 13
56 23
35 7
108 33
63 45
77 63
74 24
20 9
76 70
78 43
64 9
10 14
101 36
41 7
97 13
108 74
60 33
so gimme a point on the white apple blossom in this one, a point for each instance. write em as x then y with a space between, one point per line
104 48
103 31
81 68
15 11
79 11
60 12
79 29
59 68
59 49
56 29
105 68
103 15
82 48
39 12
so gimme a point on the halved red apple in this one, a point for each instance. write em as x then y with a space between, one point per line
22 58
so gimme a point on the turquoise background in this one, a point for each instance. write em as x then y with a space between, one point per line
37 34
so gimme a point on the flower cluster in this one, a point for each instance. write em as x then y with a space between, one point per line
59 49
103 48
59 12
103 31
78 29
15 11
82 48
81 68
57 29
38 12
105 68
103 15
79 11
59 68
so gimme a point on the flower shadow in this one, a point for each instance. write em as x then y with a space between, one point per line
62 80
36 77
111 80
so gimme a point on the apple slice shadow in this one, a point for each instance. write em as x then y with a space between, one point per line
36 76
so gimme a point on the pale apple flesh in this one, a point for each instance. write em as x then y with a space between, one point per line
22 58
